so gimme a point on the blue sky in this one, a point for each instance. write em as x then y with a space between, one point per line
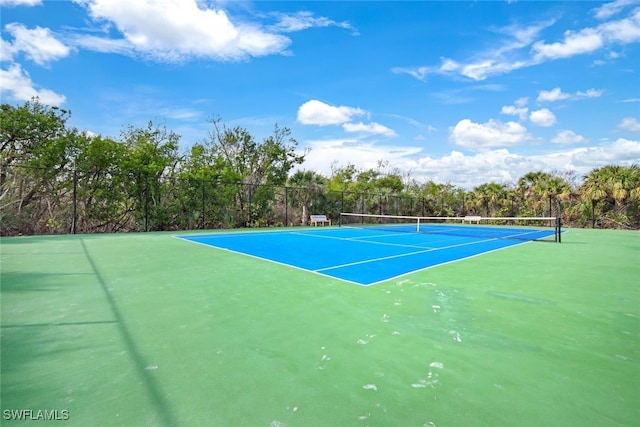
456 92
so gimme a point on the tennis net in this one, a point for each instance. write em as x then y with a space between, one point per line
518 228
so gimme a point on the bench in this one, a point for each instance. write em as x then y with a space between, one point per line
320 219
472 218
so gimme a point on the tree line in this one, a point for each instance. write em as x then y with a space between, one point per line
55 178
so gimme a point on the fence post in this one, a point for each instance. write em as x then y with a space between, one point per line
286 207
250 189
146 202
75 201
203 205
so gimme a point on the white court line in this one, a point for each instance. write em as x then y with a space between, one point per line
402 255
284 264
352 239
432 229
364 239
443 263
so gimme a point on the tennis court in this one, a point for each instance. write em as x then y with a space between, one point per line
152 329
372 253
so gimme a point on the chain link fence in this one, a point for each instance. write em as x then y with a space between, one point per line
40 201
59 201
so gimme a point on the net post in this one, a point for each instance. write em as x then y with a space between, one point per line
418 225
558 230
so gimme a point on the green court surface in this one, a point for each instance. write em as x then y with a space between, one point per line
151 330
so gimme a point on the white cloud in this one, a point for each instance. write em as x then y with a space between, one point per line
185 114
476 70
552 95
517 109
482 70
584 41
500 165
174 30
6 51
316 112
372 128
589 93
587 40
476 136
500 60
621 152
12 3
503 166
419 73
512 54
38 44
101 44
506 57
566 137
304 20
521 102
513 110
17 85
626 30
543 117
446 66
468 170
607 10
556 94
630 124
324 153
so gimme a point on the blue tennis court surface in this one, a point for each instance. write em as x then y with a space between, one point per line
360 256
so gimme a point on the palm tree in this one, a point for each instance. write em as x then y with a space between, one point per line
528 186
488 195
623 183
593 190
554 189
513 197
